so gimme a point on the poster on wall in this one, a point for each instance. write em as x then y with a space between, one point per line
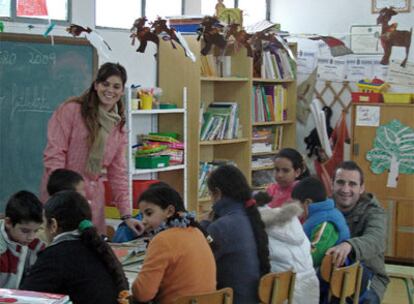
365 39
331 69
306 62
367 116
399 75
357 69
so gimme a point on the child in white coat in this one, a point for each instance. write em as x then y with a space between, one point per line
289 248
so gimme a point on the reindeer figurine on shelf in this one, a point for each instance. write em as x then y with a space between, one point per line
390 36
143 34
241 37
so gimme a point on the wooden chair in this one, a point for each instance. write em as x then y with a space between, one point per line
221 296
277 287
343 281
110 232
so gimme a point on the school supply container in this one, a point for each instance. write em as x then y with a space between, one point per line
397 97
366 97
372 87
151 162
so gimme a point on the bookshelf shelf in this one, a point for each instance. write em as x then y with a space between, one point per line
259 188
266 80
223 142
204 199
272 123
157 111
273 99
263 168
273 152
224 79
155 170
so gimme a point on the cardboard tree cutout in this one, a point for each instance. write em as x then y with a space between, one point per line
393 151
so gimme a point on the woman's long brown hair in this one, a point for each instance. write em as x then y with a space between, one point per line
90 101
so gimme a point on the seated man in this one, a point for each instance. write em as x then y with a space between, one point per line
367 224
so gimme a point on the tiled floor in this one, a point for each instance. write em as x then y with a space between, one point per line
400 288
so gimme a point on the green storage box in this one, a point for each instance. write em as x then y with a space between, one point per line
164 106
151 162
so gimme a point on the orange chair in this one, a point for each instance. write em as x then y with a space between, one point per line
277 287
221 296
343 281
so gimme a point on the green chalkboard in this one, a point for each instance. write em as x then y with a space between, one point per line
35 77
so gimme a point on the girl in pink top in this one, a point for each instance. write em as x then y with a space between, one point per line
86 134
289 168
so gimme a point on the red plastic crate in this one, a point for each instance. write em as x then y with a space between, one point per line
138 187
366 97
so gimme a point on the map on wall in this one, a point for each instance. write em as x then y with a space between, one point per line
393 151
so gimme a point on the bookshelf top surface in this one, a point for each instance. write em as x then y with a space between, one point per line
224 79
223 142
267 80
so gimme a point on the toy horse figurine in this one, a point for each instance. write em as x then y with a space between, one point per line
241 37
143 34
160 25
75 30
390 36
211 32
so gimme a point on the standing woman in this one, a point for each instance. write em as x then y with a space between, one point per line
87 134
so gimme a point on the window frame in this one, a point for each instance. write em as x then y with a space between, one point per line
143 9
14 18
268 5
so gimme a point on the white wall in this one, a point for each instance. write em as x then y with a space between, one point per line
331 17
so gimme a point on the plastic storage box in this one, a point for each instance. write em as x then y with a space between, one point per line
397 97
152 162
366 97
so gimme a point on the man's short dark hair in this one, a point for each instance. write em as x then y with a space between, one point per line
309 188
350 166
63 179
24 206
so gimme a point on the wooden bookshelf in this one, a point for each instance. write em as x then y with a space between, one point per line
201 92
288 125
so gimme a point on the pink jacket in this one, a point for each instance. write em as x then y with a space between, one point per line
279 195
67 148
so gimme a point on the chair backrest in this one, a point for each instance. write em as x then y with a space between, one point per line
110 231
277 287
221 296
343 281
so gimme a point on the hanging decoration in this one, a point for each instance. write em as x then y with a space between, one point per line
143 34
93 37
304 95
212 32
393 151
390 36
336 46
1 27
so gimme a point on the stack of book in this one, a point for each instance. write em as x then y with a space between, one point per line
31 297
204 170
262 140
269 103
276 64
213 66
220 121
185 24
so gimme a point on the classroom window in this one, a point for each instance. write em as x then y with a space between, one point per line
5 8
35 9
208 7
162 8
253 11
121 15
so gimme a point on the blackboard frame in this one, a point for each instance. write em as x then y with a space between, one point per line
57 40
